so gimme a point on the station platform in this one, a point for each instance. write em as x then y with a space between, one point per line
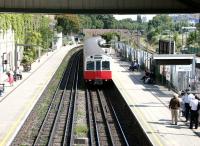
18 100
149 104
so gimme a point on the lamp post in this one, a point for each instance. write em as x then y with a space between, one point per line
169 68
51 26
187 29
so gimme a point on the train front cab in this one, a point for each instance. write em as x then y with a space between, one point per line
97 70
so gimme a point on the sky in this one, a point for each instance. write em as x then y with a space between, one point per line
133 17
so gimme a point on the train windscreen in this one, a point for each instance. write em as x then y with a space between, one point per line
90 65
105 65
98 65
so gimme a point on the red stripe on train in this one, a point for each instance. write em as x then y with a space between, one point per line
92 75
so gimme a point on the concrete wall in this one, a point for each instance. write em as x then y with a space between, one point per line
59 40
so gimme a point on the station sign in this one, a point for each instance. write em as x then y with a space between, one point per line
184 67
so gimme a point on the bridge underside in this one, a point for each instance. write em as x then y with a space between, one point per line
173 59
101 6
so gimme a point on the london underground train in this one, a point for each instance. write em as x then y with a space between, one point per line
97 63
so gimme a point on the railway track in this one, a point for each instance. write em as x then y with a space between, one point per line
57 127
104 126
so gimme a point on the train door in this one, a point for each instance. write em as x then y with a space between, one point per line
98 70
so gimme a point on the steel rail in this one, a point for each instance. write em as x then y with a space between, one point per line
95 121
118 123
71 138
89 118
51 105
50 143
105 118
68 128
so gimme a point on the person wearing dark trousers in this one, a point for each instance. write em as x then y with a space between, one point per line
194 112
187 111
187 99
18 73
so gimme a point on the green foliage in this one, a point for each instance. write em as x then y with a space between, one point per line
160 23
30 52
110 35
178 41
152 37
192 39
157 26
107 20
45 32
28 58
28 29
22 23
69 23
33 38
81 130
85 22
59 29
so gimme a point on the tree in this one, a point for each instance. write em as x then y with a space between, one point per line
85 22
69 23
160 23
151 37
108 21
46 32
30 53
192 39
157 26
110 35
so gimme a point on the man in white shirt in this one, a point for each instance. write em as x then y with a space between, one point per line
191 96
187 98
194 113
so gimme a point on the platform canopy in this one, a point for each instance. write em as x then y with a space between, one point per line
101 6
174 59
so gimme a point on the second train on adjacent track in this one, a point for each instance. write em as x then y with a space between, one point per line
97 62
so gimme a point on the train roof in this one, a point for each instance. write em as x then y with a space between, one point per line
92 48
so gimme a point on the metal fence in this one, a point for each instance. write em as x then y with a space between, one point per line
179 80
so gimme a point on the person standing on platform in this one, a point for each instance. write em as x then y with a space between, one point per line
10 78
174 106
194 112
183 94
19 73
187 99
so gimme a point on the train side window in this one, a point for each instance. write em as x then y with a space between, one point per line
90 65
98 65
105 65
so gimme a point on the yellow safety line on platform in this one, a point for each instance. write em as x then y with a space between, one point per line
16 123
143 119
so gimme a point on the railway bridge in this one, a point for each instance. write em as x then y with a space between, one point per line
100 6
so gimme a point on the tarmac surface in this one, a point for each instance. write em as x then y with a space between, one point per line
149 103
